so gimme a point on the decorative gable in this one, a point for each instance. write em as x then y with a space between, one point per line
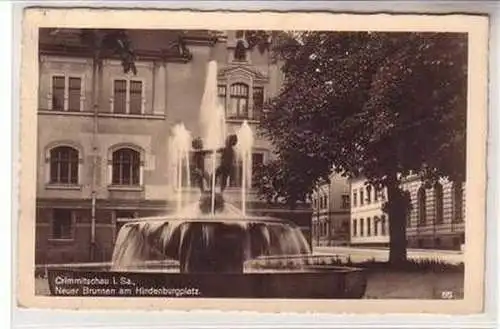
242 73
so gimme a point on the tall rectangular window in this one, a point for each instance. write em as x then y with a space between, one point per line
62 224
135 97
361 197
258 102
355 198
128 96
74 94
354 227
120 96
66 93
238 106
58 90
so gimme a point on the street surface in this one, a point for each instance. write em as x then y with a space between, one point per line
380 254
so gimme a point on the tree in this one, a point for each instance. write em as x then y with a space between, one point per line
377 105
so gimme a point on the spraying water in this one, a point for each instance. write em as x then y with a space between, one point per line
197 240
180 147
212 121
244 149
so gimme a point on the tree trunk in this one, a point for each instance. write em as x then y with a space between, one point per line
396 210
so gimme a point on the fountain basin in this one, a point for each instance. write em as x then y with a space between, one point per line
222 255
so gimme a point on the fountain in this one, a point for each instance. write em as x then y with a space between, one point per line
213 246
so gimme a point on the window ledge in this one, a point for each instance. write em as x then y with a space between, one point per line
125 188
240 120
61 241
133 116
69 113
63 187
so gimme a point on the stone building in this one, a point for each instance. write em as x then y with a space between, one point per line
103 134
330 218
369 224
435 221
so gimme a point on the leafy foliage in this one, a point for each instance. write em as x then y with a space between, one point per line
377 105
371 104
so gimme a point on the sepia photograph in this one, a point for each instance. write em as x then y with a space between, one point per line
265 163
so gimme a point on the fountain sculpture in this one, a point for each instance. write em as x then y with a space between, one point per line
215 246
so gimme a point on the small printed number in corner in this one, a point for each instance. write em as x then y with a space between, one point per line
447 294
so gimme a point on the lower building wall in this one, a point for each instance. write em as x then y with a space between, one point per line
77 248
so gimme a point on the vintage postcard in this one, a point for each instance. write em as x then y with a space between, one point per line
278 162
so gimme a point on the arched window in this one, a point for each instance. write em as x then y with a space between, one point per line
421 205
126 167
368 194
63 165
238 101
438 196
457 202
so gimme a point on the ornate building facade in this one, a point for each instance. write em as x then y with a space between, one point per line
103 134
436 219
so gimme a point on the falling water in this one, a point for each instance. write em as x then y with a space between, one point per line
180 146
158 243
244 149
212 120
191 238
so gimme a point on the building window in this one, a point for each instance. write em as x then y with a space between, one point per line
354 198
64 164
354 227
368 226
66 93
361 197
221 94
421 199
126 167
128 96
375 225
345 201
458 202
258 102
62 224
238 102
361 227
375 195
368 194
438 197
383 225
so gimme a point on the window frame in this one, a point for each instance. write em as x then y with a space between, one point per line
48 166
66 102
132 159
238 115
128 81
141 153
72 229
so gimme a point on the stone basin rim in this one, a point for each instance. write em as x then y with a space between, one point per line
210 219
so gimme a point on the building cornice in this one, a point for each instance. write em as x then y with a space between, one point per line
167 55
